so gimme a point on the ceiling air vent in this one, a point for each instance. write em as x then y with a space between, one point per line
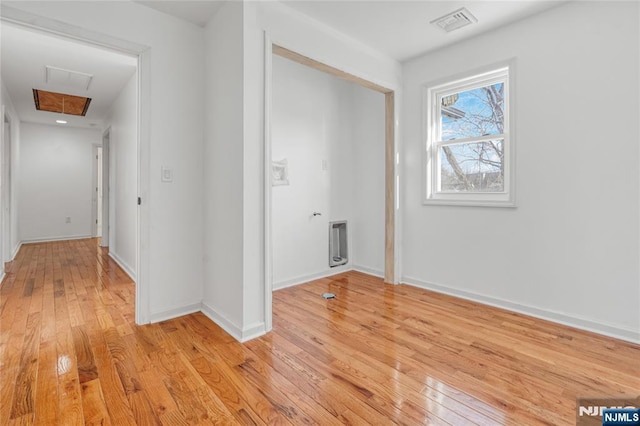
454 20
67 78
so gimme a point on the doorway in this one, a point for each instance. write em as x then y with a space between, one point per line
140 230
391 203
327 138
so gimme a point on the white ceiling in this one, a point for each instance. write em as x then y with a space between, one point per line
24 55
199 11
400 29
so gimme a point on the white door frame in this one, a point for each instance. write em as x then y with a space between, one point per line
106 187
143 53
7 178
100 194
94 190
2 184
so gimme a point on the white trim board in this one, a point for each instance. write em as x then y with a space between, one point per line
628 335
222 321
29 20
16 250
311 277
369 271
253 331
174 313
326 274
241 335
53 239
123 265
269 285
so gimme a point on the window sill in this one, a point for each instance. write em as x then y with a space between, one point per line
469 203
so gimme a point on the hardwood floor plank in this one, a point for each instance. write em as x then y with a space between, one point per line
159 396
28 287
143 412
312 382
25 420
216 408
69 391
71 353
172 418
110 381
299 407
122 361
87 370
23 395
93 405
191 408
46 392
69 399
12 327
239 391
225 390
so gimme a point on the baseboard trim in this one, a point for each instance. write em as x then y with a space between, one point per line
311 277
241 335
122 264
253 331
224 323
616 332
174 313
2 275
369 271
16 250
53 239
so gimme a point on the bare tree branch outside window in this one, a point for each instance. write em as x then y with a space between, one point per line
473 166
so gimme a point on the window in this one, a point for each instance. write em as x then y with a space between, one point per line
469 153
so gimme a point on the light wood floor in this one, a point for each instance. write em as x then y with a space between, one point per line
70 354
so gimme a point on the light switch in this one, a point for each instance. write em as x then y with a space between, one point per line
167 174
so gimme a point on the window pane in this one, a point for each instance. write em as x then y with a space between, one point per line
472 167
473 113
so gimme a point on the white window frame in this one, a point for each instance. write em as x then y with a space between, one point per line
432 95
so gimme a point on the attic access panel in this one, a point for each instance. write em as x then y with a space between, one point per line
60 102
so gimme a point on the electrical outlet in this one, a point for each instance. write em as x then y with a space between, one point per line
67 220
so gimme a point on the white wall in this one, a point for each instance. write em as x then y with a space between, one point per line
569 251
56 182
223 151
369 180
173 277
311 122
123 175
